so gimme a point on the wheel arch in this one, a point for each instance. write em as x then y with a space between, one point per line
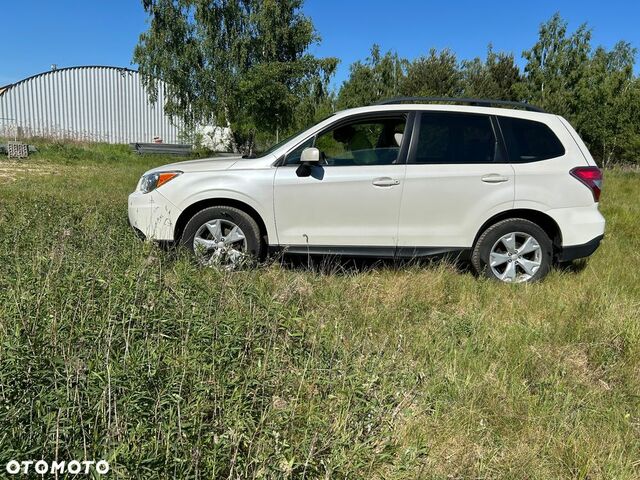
548 224
194 208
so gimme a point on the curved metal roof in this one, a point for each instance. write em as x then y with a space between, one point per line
4 88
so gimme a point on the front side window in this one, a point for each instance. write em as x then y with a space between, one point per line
361 142
455 138
529 141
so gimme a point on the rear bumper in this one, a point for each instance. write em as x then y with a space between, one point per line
578 225
573 252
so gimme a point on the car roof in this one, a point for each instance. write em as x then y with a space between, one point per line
405 107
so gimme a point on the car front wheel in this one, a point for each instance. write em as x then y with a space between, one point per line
222 236
513 251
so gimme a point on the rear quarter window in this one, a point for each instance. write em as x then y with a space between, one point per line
529 141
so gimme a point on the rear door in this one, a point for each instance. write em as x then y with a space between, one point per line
350 202
456 178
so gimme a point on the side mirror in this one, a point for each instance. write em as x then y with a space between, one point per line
308 158
310 155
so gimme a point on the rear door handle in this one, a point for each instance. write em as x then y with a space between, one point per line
494 178
385 182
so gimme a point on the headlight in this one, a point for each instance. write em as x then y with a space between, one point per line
151 181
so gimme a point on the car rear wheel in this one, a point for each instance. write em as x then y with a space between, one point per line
513 251
226 237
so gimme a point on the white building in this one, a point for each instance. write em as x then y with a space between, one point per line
89 103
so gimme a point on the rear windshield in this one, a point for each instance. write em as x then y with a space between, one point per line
529 141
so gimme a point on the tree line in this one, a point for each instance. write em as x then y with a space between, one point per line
594 88
246 64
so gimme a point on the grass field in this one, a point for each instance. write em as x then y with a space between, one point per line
111 348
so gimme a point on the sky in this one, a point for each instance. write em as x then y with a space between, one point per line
38 33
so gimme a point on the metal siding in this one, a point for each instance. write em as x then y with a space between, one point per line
105 104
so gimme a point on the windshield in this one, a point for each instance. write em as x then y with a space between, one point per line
289 138
282 142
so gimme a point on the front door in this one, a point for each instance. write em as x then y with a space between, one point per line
350 202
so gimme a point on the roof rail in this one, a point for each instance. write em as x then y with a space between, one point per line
483 102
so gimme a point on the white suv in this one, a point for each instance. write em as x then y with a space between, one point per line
512 189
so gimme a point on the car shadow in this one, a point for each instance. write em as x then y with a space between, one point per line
346 265
575 266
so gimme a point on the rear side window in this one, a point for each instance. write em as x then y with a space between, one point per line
529 141
455 138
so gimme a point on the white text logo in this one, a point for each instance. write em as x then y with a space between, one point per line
42 467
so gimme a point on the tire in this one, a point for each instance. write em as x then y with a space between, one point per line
222 220
529 261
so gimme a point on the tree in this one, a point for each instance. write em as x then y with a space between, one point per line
377 78
497 77
436 74
594 89
609 98
555 66
240 63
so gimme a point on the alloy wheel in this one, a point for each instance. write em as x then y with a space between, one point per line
220 242
515 257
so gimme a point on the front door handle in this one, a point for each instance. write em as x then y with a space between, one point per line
385 182
494 178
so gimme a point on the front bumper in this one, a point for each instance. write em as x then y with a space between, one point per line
152 215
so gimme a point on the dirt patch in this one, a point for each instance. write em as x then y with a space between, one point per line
572 362
12 170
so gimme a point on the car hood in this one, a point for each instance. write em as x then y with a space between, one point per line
200 165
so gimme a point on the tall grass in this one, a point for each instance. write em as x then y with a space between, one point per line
113 349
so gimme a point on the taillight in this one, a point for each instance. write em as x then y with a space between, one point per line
591 177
